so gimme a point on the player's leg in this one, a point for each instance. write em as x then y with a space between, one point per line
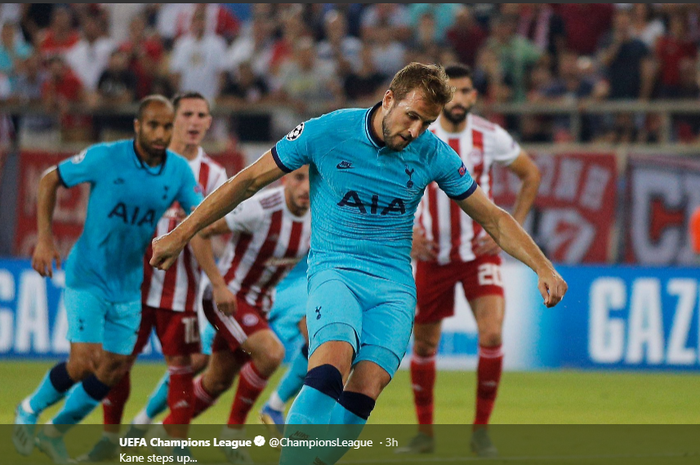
266 353
272 412
179 336
157 401
120 332
435 285
85 314
334 321
484 292
386 330
287 319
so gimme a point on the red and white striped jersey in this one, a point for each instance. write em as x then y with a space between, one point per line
267 242
480 145
176 289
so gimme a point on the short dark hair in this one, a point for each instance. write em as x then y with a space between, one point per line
458 70
148 101
188 95
430 79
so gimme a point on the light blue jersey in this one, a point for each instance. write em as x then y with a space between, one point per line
363 194
127 198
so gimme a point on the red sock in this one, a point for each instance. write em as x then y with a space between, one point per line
113 404
202 399
423 382
250 384
180 400
488 377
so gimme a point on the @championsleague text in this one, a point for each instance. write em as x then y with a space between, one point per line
311 443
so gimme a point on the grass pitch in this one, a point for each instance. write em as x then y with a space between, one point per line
540 417
562 397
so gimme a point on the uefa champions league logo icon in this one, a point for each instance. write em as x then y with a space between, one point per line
296 132
409 184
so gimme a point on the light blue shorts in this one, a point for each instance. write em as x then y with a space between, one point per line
286 313
206 335
372 314
91 319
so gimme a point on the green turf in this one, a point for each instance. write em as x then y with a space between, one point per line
566 397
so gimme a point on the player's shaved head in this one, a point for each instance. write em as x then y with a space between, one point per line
149 100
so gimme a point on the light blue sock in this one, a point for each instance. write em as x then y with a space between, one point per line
53 387
80 402
293 379
310 413
158 400
346 424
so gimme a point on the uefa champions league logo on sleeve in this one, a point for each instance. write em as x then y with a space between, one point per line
296 132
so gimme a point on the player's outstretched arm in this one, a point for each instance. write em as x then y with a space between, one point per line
224 199
45 251
512 238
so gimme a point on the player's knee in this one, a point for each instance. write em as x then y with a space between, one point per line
270 358
217 385
490 338
199 362
424 348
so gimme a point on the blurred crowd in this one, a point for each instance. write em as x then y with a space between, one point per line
314 58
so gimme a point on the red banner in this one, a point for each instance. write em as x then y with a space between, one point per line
71 204
662 194
574 212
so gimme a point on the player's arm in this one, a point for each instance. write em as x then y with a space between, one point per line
512 238
217 228
224 199
223 297
45 251
529 174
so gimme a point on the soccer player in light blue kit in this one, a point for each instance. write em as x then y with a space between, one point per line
368 172
133 182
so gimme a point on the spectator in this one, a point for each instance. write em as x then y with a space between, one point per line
293 29
517 55
585 24
145 54
540 24
31 77
570 84
117 86
670 50
644 26
444 15
35 17
362 86
89 57
627 60
120 16
13 49
339 48
244 88
196 61
61 91
389 54
254 45
117 83
424 34
307 83
466 36
389 18
489 78
219 20
60 35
